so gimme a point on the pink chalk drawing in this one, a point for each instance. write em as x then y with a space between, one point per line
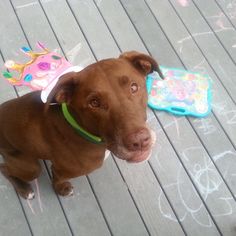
184 3
220 24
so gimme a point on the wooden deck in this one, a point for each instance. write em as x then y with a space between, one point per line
189 185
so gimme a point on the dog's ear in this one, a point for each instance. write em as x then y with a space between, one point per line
63 90
142 62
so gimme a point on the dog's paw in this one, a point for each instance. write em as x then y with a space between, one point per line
30 196
64 189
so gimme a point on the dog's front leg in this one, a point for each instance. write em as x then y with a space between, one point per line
60 183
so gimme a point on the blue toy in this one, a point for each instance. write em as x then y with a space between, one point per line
181 92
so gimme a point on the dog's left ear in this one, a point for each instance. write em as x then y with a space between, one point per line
142 62
63 90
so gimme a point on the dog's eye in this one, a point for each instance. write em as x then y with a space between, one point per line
134 88
95 102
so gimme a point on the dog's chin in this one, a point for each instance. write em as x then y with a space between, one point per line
134 156
139 157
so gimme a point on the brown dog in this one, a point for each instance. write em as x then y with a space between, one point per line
107 99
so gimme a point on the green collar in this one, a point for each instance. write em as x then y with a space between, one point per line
85 134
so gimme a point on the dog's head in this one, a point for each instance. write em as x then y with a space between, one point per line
109 99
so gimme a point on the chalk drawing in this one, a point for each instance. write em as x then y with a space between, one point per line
230 117
98 2
188 209
220 24
183 3
220 20
181 48
225 76
73 53
229 114
176 126
207 181
228 210
205 125
38 193
30 206
167 215
175 121
202 34
46 1
224 154
26 5
231 9
200 67
206 178
219 107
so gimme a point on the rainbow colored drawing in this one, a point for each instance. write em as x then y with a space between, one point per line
181 92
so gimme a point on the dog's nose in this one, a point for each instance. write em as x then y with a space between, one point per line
138 141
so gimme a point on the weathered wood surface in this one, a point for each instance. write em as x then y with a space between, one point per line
189 185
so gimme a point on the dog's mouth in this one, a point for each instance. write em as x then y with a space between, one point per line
133 156
139 156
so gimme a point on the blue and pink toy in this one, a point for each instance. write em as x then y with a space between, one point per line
181 92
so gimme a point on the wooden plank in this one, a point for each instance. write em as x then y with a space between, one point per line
116 10
180 210
209 45
96 43
107 183
38 211
83 211
11 207
184 132
10 204
114 14
71 210
219 24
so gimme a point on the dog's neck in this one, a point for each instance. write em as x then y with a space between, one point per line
82 132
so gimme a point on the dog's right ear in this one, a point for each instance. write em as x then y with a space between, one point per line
63 90
142 62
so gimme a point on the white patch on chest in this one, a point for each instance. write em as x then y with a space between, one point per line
107 153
